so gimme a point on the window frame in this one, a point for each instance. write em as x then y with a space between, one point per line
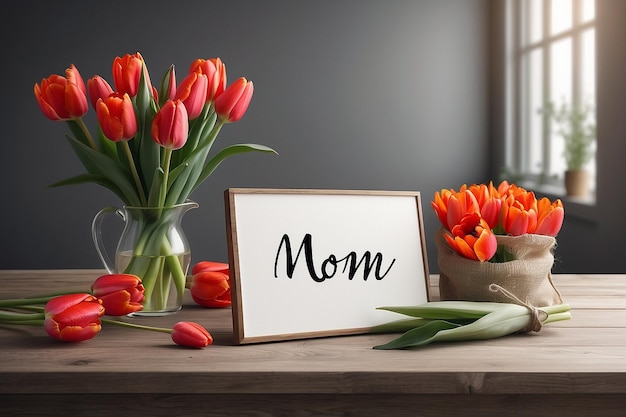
517 144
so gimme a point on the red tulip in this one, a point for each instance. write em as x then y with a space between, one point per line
127 74
192 92
440 206
550 217
98 88
472 238
170 126
215 71
503 188
121 294
519 213
451 206
62 98
73 317
232 104
116 116
489 203
190 334
210 286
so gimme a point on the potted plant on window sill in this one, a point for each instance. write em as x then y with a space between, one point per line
577 127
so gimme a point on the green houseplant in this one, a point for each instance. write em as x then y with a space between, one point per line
576 125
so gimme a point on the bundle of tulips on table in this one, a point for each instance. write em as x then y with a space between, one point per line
78 316
495 255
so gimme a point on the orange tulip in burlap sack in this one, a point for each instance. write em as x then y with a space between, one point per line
528 277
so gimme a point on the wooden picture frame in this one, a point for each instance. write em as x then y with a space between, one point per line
316 263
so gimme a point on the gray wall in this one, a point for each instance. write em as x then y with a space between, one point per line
354 94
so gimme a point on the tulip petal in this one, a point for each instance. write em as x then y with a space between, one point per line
486 246
208 285
464 249
72 333
552 223
80 314
210 266
109 283
219 302
60 303
120 303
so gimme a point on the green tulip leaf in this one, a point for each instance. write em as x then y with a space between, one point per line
149 157
107 146
399 326
99 164
227 152
87 179
419 336
155 190
447 310
176 172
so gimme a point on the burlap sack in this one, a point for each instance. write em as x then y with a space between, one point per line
528 277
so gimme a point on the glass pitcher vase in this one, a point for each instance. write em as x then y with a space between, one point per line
153 247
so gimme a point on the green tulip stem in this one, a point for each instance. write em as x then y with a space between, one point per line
12 317
133 170
18 302
167 158
79 121
136 326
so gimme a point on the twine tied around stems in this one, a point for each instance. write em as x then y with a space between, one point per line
537 316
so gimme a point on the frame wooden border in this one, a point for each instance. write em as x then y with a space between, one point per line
238 282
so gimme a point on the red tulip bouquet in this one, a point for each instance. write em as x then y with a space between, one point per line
497 235
152 147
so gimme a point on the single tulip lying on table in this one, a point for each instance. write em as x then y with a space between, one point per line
76 317
446 321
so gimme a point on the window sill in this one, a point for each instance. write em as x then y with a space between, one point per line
582 208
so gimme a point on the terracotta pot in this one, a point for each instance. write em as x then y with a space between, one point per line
577 183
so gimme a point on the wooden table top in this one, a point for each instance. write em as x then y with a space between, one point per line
584 356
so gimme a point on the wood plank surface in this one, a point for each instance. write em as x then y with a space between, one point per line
570 366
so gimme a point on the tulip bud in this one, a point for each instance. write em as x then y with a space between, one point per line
73 317
232 104
127 74
98 88
168 85
192 92
489 203
62 98
519 214
190 334
121 294
170 126
116 116
551 217
215 71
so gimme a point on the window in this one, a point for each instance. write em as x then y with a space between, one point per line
552 57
